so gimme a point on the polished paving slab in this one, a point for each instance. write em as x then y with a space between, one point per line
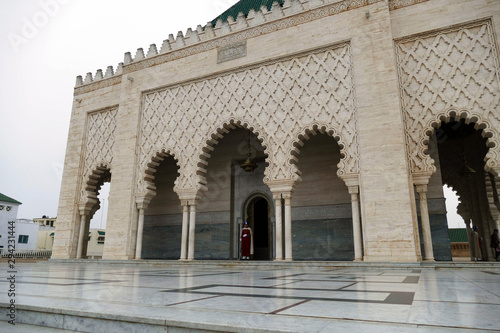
100 297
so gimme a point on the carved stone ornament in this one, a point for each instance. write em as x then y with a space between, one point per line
281 102
100 139
453 73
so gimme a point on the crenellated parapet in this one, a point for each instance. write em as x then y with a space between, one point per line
222 33
234 29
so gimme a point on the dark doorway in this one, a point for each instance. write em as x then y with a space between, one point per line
258 216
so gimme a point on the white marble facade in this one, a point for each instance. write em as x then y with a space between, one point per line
375 77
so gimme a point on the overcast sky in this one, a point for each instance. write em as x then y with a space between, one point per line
44 45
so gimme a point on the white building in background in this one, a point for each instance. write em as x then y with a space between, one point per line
25 231
95 246
26 234
8 212
46 232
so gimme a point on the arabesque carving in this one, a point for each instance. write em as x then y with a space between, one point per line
453 73
395 4
100 139
277 101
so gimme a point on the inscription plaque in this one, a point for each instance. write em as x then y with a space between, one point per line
230 52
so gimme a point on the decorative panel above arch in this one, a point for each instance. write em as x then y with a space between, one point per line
445 74
276 100
99 143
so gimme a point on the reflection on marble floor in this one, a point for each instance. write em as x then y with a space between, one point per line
297 300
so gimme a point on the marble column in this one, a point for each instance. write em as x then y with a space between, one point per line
356 227
185 226
81 236
426 226
467 228
288 226
192 225
279 231
140 229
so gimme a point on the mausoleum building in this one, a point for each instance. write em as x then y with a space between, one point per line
330 126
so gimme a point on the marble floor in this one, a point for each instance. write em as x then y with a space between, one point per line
121 298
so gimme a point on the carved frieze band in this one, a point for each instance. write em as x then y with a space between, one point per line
449 73
98 85
281 101
395 4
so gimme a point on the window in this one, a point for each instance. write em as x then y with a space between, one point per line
9 208
100 240
23 239
1 207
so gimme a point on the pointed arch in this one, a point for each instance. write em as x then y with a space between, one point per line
216 133
100 174
349 161
491 134
148 189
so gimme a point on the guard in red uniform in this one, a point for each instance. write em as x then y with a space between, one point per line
246 242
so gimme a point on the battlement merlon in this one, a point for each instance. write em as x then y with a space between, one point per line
221 28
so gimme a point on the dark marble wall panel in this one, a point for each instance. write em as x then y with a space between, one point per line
325 239
212 241
440 237
162 236
161 241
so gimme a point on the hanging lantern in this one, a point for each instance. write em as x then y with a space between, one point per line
249 165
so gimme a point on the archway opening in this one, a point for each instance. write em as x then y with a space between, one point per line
162 231
459 150
322 227
95 224
221 207
97 229
258 218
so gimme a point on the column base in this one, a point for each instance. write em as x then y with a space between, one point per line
288 259
430 260
358 260
278 259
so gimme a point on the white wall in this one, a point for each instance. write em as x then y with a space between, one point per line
5 217
29 229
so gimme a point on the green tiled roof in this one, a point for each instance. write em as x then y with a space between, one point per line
458 235
245 6
101 233
5 198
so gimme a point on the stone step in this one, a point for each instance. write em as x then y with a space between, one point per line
25 328
287 264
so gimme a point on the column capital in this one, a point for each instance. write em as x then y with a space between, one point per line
281 186
277 196
188 194
84 208
353 189
142 203
421 189
350 179
421 178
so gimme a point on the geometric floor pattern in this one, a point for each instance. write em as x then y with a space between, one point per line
254 300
